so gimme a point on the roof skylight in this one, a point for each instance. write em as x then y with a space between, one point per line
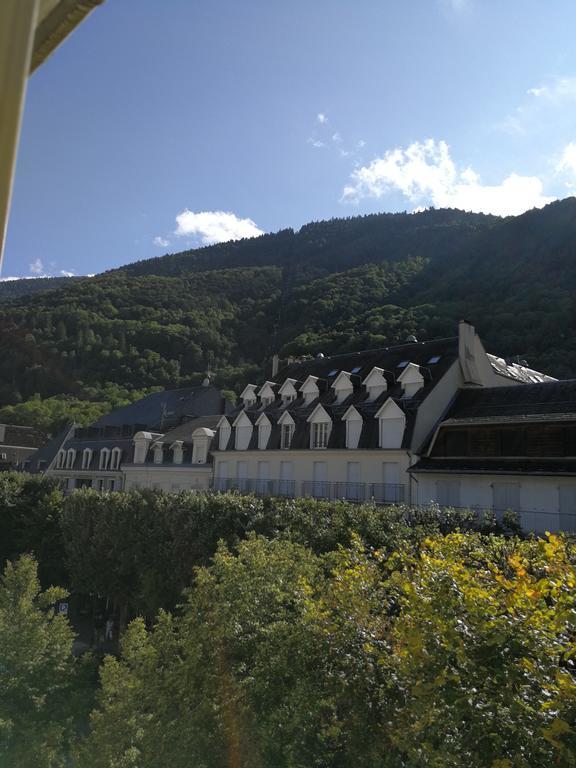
356 369
403 364
434 359
333 373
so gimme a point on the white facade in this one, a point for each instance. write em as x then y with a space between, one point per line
542 503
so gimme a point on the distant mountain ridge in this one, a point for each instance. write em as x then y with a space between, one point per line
332 286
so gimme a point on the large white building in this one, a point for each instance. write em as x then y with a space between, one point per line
439 422
351 426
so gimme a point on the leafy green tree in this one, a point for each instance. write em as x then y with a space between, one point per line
41 700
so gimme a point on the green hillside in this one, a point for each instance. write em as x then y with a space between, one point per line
332 286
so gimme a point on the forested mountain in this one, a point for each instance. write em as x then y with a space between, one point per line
13 289
332 286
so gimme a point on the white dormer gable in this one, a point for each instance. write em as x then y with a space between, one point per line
342 386
318 414
224 432
264 431
392 422
266 393
411 379
309 390
286 418
375 383
248 395
354 423
244 428
288 391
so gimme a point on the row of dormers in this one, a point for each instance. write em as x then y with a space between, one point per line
391 425
411 380
108 459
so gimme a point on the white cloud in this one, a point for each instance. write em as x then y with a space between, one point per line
161 242
336 138
67 273
36 268
316 142
567 162
542 108
425 173
321 118
215 226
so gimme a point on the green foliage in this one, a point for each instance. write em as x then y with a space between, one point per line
461 653
334 286
30 509
41 684
54 413
140 548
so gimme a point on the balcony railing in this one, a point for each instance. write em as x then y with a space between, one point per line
381 493
257 487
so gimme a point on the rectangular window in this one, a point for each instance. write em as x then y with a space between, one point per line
506 496
286 486
320 488
320 434
448 493
287 434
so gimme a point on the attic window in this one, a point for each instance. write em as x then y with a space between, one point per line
434 359
403 364
333 373
356 369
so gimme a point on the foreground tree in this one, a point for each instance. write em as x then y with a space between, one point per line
457 652
41 696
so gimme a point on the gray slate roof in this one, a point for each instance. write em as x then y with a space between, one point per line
359 364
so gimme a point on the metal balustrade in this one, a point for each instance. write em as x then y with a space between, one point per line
381 493
256 486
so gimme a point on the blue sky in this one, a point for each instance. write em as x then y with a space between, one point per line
165 124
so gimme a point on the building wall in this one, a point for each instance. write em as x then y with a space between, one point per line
337 471
168 477
540 498
71 479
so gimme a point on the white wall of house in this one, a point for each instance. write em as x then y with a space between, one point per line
373 467
168 477
545 503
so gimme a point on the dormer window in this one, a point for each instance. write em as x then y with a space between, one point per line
177 451
375 383
158 453
248 395
224 432
267 394
115 457
201 439
354 424
243 427
288 391
70 458
264 431
104 458
309 390
60 459
342 386
287 428
320 428
391 425
411 380
86 458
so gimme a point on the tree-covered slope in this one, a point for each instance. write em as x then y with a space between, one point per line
331 286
